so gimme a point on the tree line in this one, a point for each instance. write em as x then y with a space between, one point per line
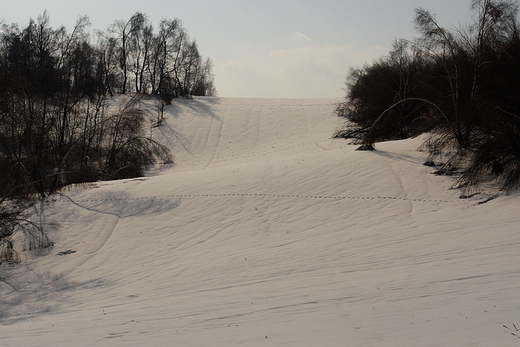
60 120
460 85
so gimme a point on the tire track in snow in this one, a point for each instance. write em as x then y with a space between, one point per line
105 234
214 141
254 119
107 229
401 184
207 141
273 149
286 105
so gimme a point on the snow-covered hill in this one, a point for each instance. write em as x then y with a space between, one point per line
267 232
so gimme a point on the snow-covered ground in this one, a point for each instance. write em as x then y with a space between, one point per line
267 232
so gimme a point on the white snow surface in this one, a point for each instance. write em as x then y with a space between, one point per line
268 232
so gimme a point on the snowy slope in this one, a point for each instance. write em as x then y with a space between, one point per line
266 232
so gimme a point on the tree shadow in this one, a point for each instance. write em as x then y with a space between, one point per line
122 206
203 108
399 156
25 292
170 133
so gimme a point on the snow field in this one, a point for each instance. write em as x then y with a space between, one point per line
267 232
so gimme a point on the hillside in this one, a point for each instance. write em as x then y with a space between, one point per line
267 232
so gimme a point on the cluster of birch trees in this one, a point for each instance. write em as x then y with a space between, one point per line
70 109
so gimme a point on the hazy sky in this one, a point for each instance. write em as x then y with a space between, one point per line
265 48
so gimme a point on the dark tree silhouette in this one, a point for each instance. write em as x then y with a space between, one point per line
58 122
460 85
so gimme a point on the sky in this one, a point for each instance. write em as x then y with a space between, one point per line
266 48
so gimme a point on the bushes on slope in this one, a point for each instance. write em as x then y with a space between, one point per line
461 85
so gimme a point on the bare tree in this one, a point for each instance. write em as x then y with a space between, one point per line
123 32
